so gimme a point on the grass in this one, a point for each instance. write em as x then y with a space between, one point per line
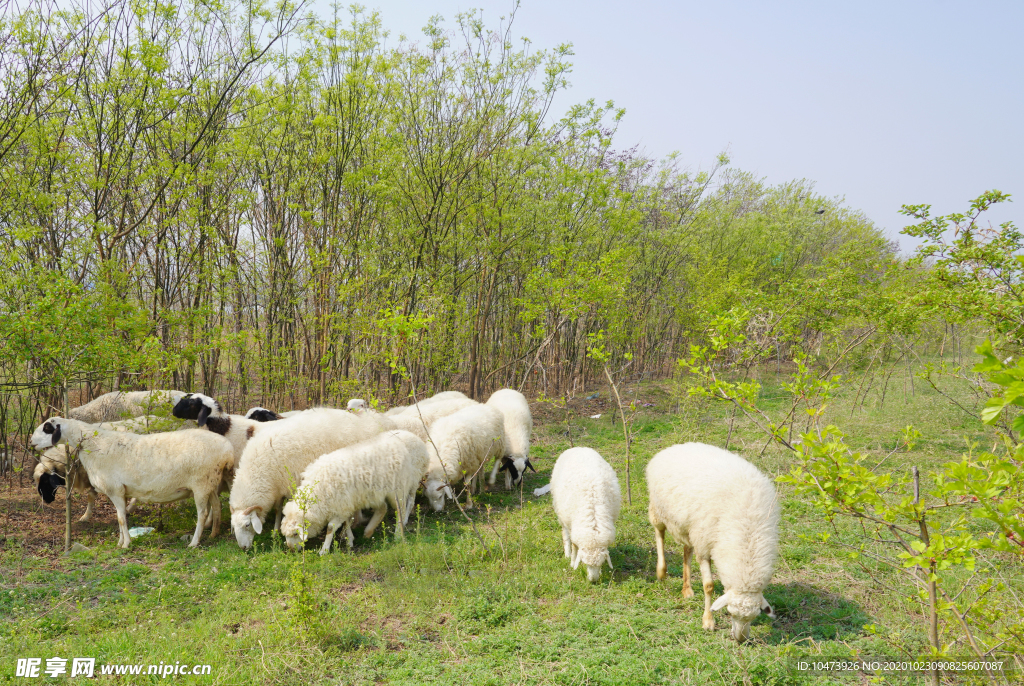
438 608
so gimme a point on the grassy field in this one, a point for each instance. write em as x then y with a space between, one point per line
440 608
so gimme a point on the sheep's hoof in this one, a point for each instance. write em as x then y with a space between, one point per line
687 592
709 622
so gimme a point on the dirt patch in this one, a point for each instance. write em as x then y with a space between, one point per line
345 590
38 528
392 631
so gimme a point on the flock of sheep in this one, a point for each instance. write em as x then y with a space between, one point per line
332 464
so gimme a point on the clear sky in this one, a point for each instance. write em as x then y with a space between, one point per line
883 103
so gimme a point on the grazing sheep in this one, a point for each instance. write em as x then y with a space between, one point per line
116 405
275 458
385 468
356 404
723 509
262 414
515 458
461 444
586 497
156 468
51 473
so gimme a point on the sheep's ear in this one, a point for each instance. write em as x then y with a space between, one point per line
767 608
721 602
257 525
576 559
506 463
204 414
530 465
53 429
608 556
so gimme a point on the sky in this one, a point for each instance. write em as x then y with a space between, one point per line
880 103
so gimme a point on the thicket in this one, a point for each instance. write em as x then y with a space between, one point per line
274 207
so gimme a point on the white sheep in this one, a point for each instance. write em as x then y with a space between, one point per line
116 405
586 496
723 509
275 458
156 468
419 418
461 444
338 485
51 471
515 458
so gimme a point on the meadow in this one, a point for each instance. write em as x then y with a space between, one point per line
486 597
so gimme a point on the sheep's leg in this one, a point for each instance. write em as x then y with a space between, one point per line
687 586
349 536
332 526
123 540
277 518
659 543
214 514
210 511
709 588
131 505
494 472
469 494
410 503
400 515
90 499
566 543
202 510
508 480
378 515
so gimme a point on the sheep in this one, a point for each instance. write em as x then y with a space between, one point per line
276 457
157 468
515 458
461 444
116 405
356 404
51 470
444 396
338 485
586 497
51 473
208 413
262 414
419 418
723 509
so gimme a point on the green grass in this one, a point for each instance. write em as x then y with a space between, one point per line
438 608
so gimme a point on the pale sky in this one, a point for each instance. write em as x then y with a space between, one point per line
883 103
